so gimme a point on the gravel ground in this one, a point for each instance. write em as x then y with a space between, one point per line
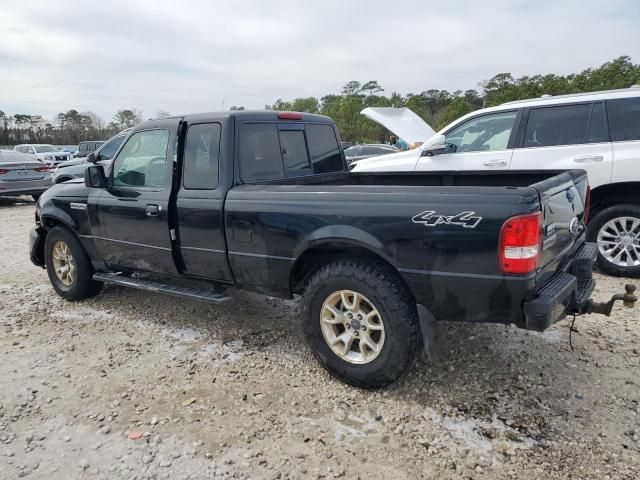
134 385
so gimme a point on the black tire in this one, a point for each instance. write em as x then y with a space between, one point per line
596 223
382 287
83 286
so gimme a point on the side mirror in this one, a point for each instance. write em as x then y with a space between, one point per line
435 145
94 177
91 158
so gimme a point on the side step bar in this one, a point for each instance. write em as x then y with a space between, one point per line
158 287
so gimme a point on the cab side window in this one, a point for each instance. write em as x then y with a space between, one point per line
482 134
201 157
142 162
624 119
269 151
260 157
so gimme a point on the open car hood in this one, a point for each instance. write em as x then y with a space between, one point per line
402 122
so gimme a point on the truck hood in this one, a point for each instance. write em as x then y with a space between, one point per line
402 122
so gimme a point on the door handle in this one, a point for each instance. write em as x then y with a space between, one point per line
588 158
495 163
153 210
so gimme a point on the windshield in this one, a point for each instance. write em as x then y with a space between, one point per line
44 148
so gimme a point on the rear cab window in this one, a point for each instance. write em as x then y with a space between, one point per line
201 156
273 150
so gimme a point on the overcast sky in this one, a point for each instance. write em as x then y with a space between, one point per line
188 56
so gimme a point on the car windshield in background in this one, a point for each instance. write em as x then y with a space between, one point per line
110 148
44 148
370 150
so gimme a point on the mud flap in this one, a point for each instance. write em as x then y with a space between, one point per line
432 339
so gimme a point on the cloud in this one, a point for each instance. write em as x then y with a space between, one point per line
189 56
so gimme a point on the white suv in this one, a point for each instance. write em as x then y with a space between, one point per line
598 132
46 153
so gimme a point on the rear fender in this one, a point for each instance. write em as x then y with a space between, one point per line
346 234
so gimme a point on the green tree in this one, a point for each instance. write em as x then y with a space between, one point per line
126 118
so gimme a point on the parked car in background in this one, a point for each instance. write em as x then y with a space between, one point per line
21 174
70 149
85 148
360 152
44 152
75 167
598 132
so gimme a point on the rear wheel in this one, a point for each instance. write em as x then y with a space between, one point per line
361 322
616 231
68 265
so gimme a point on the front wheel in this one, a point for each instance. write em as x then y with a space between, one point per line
361 322
68 265
616 231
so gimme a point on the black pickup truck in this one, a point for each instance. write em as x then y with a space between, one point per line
263 201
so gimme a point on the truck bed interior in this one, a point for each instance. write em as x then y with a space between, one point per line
510 178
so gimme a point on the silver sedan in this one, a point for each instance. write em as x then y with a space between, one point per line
21 174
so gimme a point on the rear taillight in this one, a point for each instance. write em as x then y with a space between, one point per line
587 206
42 169
3 171
520 243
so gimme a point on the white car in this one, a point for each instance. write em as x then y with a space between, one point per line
598 132
46 153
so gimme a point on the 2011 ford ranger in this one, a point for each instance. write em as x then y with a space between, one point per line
263 201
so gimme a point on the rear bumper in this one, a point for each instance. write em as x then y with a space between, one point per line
567 291
32 187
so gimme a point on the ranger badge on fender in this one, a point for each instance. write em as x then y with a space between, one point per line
431 219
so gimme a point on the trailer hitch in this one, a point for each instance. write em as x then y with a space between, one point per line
628 300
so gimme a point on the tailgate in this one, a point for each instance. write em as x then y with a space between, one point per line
563 198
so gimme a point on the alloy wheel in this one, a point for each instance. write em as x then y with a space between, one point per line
619 241
352 327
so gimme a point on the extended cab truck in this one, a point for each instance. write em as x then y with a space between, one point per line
263 201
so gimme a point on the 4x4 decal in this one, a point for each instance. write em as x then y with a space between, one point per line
431 219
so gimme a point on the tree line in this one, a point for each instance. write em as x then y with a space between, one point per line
440 107
436 107
68 128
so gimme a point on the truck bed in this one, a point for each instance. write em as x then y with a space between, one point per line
452 268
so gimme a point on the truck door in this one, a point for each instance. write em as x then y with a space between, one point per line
129 219
200 204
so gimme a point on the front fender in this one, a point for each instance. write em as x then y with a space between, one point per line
51 215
